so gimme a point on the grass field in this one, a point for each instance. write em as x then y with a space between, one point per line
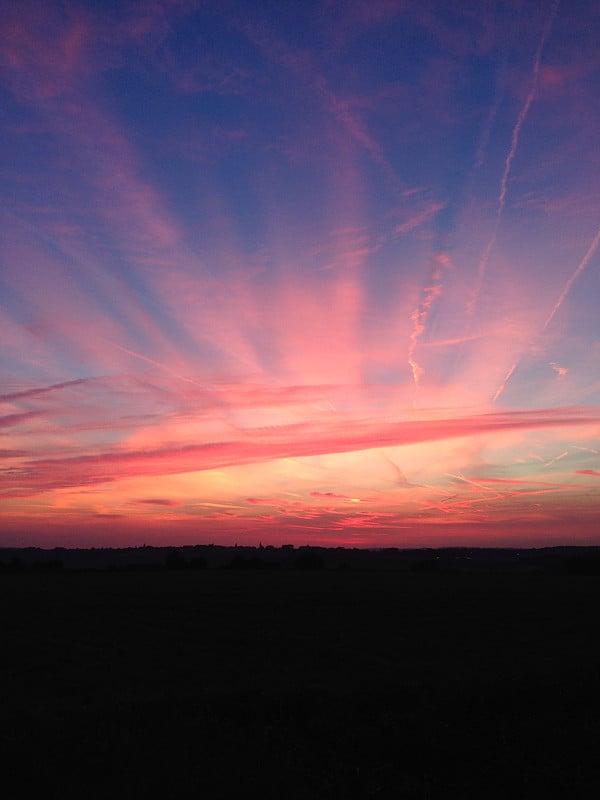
300 684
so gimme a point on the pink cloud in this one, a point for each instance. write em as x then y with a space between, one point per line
156 501
295 441
17 419
102 515
330 495
262 501
46 56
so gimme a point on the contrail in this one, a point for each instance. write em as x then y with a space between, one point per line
158 364
567 288
510 156
355 127
474 483
507 377
579 269
421 312
559 457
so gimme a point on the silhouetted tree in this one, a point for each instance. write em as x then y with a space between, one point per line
425 565
308 560
583 566
241 562
175 560
51 565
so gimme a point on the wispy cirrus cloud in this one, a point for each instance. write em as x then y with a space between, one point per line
237 253
10 420
35 392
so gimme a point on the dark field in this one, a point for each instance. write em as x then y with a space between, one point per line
301 684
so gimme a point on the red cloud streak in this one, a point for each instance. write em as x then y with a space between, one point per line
156 501
304 440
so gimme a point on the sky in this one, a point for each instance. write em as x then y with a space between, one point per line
311 272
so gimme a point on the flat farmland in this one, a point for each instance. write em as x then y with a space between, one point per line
300 684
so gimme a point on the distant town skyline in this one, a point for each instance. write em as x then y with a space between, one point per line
315 273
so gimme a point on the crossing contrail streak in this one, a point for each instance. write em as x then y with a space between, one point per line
579 269
514 142
155 363
563 295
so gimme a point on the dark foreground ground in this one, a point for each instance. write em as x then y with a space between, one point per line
300 684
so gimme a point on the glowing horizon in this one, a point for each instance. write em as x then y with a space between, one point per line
320 274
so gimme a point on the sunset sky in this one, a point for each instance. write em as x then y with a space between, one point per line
309 272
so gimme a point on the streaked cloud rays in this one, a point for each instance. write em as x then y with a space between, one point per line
238 248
